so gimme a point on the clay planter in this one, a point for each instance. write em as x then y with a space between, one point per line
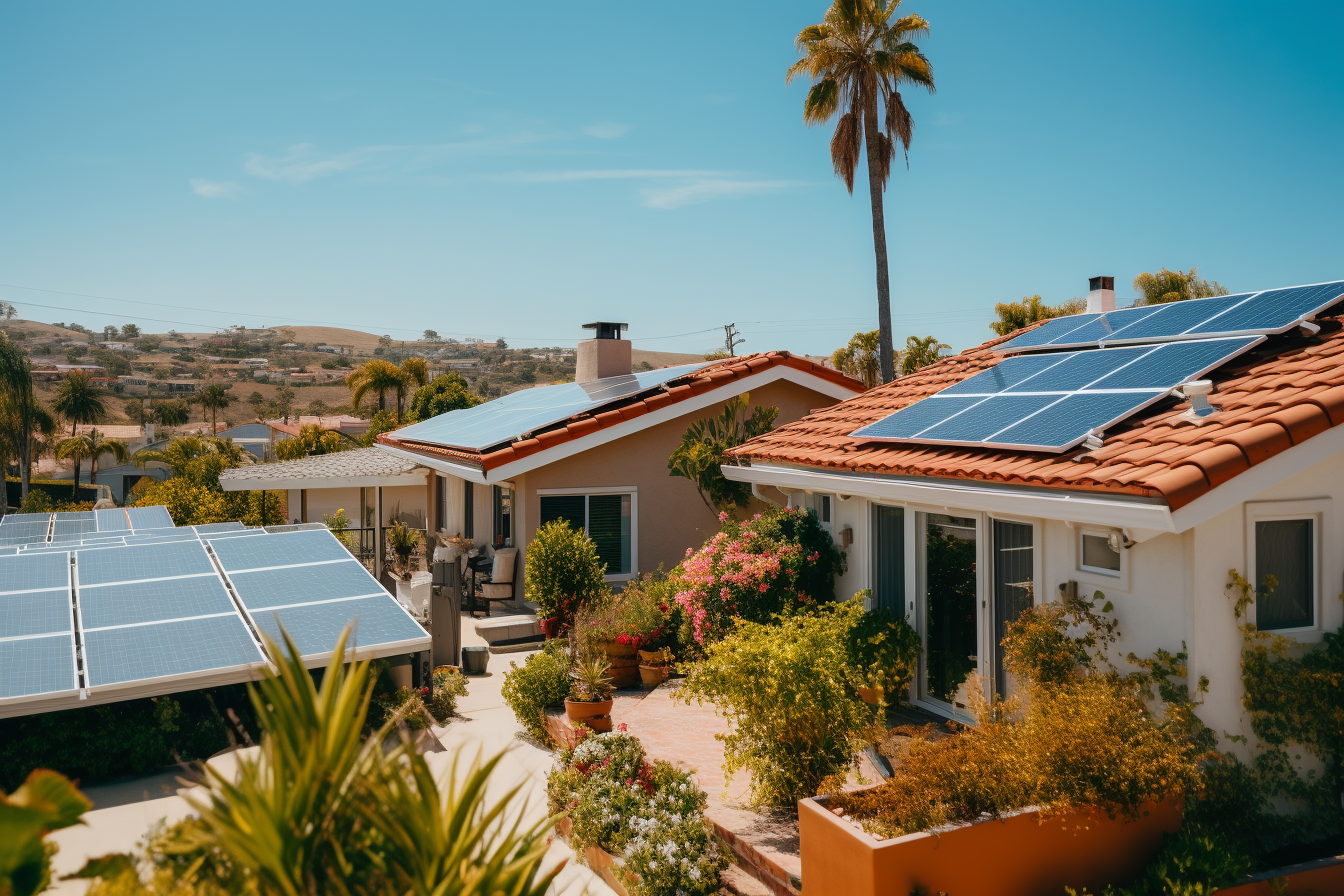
1018 855
652 676
550 628
650 657
596 716
615 650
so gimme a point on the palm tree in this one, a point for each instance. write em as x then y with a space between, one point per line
859 358
79 400
920 352
313 439
21 413
415 372
197 458
377 376
172 413
214 398
857 59
92 445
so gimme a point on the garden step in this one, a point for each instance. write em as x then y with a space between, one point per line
740 883
508 628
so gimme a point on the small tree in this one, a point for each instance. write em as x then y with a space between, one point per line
859 358
1016 315
920 353
703 446
563 571
1176 286
449 392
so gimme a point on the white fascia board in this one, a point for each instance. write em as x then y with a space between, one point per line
1144 519
1261 477
671 412
245 484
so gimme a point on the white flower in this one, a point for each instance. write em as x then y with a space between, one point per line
694 873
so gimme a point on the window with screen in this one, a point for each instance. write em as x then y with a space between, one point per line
1285 550
1097 554
606 519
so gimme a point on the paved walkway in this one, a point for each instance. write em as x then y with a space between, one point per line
123 811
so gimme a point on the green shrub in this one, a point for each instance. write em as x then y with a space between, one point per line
563 571
38 501
449 684
644 615
530 689
788 690
777 562
884 650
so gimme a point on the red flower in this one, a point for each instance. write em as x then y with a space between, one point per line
621 727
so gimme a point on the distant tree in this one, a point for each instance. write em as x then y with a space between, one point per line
130 331
859 358
172 413
110 333
92 445
215 397
23 419
501 344
449 392
284 402
377 377
1176 286
318 408
920 353
312 440
857 58
431 336
379 423
1016 315
7 311
79 400
258 402
701 452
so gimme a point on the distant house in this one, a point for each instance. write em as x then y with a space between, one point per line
121 478
256 363
118 346
1111 451
593 452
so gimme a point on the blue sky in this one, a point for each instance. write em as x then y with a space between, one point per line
521 169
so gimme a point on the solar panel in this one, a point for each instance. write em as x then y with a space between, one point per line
37 666
112 519
16 519
134 603
285 549
168 649
1268 312
155 517
146 561
32 573
304 584
1054 406
27 613
210 528
314 627
507 418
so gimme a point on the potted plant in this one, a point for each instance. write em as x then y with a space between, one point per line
563 573
589 699
883 652
654 665
403 540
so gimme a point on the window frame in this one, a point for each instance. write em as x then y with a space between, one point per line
632 491
1318 510
1115 578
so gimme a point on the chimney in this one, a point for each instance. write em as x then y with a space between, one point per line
605 356
1101 295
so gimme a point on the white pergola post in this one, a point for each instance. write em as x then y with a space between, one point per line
378 533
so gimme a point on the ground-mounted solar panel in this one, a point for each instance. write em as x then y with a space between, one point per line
284 549
1264 313
213 528
21 519
379 624
25 614
35 573
37 641
1059 404
155 517
314 583
136 603
37 668
112 519
175 649
528 410
140 562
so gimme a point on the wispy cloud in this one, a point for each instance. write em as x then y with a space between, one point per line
302 163
709 189
607 130
215 189
553 177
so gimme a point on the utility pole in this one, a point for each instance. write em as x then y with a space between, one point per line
731 340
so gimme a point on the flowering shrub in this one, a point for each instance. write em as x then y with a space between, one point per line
649 815
644 615
774 563
563 571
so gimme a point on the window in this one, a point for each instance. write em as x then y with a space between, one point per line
1285 549
468 510
502 499
1097 554
441 510
1014 585
822 503
608 520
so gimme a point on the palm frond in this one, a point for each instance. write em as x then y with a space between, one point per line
845 147
900 125
822 101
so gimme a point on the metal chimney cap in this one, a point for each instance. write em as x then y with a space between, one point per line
1101 283
607 329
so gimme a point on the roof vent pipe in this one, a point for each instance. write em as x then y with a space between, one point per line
1101 295
605 356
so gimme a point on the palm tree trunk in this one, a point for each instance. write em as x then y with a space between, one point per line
885 344
77 459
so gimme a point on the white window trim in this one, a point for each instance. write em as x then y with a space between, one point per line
1320 510
633 492
1103 578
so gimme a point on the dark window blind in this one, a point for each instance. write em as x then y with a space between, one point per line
1285 550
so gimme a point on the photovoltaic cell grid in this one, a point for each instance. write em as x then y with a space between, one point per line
1052 402
157 611
517 413
307 582
1265 313
37 633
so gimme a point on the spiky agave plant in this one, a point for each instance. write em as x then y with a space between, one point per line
323 810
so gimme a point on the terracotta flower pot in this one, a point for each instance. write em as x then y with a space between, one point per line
624 676
615 649
596 716
652 676
651 657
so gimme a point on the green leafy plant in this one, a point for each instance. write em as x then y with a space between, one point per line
403 540
449 684
46 802
788 691
563 571
591 682
703 448
38 501
643 615
884 650
541 682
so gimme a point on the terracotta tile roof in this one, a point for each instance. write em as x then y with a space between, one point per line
711 376
1278 395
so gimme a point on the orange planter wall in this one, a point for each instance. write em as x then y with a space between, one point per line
1323 878
1016 856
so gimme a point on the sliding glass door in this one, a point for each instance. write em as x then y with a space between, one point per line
1014 585
949 611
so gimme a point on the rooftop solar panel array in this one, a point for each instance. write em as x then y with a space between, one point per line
518 413
1266 313
130 607
1052 402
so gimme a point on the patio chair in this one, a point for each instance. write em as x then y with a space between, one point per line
502 582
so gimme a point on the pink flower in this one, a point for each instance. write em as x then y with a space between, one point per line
723 516
621 726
